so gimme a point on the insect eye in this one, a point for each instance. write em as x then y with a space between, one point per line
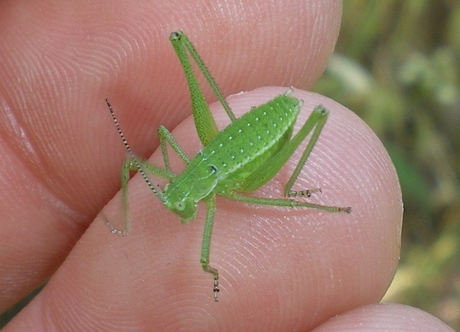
180 206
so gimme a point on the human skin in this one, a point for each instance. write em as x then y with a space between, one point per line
61 159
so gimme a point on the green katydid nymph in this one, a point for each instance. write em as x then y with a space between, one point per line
241 158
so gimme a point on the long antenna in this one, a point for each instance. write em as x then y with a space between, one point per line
132 157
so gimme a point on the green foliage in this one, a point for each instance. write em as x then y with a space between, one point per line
396 66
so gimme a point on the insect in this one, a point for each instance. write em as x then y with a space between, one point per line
239 159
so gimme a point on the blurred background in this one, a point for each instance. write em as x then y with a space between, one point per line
396 65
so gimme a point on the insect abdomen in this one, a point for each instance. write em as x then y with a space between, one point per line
249 141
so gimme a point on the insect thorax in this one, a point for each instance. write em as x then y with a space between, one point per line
196 182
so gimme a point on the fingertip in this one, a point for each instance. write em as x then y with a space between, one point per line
384 317
353 255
